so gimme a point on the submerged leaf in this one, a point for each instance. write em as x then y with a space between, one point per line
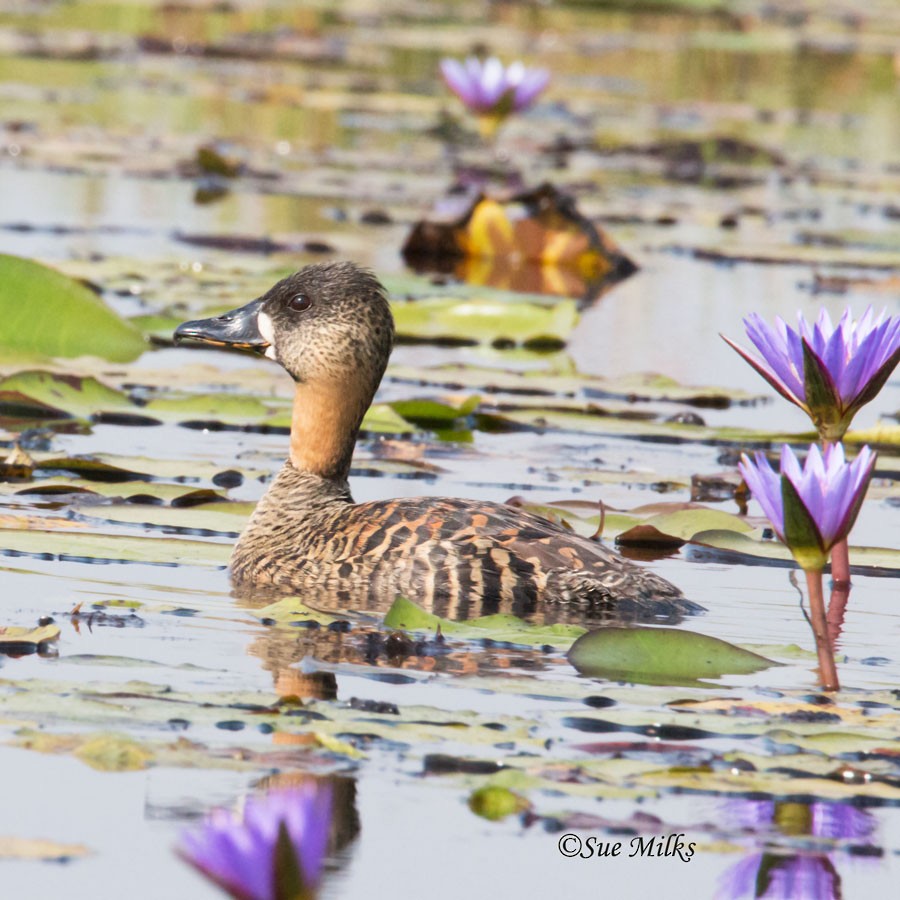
46 312
660 656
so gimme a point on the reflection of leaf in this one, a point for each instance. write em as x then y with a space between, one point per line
45 312
660 656
406 615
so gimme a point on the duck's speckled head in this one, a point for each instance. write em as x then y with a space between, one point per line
326 323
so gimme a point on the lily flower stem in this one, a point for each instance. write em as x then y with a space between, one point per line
840 557
827 669
840 565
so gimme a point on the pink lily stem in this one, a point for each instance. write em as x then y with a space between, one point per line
840 554
827 669
840 565
837 607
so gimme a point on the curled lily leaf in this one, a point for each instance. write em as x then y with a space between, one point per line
828 371
274 851
814 506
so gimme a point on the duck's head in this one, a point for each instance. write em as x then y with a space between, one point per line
325 323
331 328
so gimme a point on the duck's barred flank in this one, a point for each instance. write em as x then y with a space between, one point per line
330 327
458 558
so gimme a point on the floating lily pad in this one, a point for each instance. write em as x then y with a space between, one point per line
50 395
484 321
19 641
48 313
407 616
660 656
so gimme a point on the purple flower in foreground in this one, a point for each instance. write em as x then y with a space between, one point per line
830 372
490 89
813 507
274 851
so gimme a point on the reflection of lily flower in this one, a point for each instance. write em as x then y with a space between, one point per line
791 876
490 89
813 507
830 372
831 821
275 851
764 875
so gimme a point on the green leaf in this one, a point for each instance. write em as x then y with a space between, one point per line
433 412
115 547
45 312
494 803
485 321
51 395
800 531
822 398
407 616
660 656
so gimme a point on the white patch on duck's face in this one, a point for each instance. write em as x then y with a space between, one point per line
267 330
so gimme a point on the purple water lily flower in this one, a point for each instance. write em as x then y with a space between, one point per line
489 88
830 372
274 851
813 507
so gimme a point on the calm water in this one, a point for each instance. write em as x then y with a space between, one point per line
342 112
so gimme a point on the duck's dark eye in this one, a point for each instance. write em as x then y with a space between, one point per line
299 303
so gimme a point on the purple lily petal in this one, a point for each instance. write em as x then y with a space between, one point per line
238 852
532 83
765 485
487 87
858 356
830 488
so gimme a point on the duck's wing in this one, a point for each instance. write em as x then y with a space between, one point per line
483 549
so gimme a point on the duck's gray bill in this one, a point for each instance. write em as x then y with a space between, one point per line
238 328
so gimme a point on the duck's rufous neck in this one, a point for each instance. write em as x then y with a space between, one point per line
324 424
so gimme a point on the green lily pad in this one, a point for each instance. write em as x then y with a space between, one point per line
494 803
660 656
434 412
117 548
485 321
407 616
46 312
50 395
